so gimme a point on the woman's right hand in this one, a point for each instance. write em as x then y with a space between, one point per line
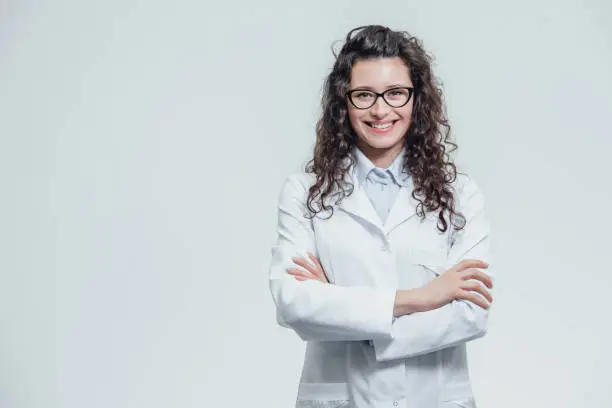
463 281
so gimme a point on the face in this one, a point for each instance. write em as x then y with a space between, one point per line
381 128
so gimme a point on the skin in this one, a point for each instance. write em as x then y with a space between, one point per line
379 75
464 280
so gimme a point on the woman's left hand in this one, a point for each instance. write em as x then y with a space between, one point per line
314 270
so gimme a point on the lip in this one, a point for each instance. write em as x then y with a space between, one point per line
382 131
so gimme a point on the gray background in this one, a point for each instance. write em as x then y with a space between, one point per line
143 146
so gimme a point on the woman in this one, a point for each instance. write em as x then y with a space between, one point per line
381 257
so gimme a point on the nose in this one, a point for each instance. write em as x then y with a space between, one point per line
380 109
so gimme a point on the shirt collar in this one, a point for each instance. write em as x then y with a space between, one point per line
364 166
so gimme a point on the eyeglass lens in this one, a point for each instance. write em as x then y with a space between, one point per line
364 99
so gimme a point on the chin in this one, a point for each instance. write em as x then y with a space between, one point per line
382 142
379 145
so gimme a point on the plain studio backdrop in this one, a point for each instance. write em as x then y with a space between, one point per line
144 144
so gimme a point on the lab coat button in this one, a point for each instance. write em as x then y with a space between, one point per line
395 403
385 247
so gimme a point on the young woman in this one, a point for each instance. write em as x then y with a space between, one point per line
381 260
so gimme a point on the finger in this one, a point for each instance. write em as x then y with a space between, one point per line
304 274
478 275
303 263
304 278
300 272
318 265
476 286
474 298
314 260
470 263
317 269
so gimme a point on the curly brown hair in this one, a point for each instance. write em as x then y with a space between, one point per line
427 160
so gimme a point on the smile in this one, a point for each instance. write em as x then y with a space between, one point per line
381 127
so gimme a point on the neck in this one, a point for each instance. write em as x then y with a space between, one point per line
381 158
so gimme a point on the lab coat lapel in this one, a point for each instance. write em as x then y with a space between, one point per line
403 208
359 205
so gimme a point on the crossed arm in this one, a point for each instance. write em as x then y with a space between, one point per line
400 324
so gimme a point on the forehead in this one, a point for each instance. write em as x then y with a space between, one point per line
380 73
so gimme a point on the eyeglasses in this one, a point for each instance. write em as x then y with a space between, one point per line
394 97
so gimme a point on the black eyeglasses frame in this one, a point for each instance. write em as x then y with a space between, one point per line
350 92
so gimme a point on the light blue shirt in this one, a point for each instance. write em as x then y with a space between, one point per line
381 185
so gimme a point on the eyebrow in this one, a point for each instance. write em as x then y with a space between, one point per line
390 86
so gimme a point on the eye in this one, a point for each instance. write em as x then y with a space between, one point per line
363 95
397 96
397 92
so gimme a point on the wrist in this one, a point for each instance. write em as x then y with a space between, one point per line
408 301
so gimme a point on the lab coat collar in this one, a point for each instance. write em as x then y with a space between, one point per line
363 166
358 204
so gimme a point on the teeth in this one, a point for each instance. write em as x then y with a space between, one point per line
382 126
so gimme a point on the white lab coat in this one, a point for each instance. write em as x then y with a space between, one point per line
416 360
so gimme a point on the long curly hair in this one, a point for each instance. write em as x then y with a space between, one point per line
427 160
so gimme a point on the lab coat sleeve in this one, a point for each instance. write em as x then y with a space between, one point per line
313 309
461 320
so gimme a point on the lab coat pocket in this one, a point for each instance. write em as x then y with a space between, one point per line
428 262
464 403
321 404
322 395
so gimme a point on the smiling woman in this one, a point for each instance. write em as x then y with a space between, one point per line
380 96
385 299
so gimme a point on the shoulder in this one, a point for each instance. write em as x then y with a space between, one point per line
296 186
465 185
301 180
467 192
